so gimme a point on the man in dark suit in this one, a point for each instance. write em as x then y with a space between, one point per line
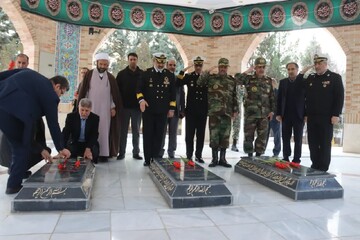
291 110
156 93
26 96
81 132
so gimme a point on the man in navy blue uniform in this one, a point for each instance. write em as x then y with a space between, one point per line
324 102
196 109
156 94
25 97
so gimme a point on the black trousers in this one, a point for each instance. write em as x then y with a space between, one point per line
15 130
153 132
290 125
173 124
195 124
128 115
320 133
77 150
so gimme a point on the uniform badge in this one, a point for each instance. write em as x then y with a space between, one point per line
151 80
215 86
150 85
254 89
166 81
310 84
192 84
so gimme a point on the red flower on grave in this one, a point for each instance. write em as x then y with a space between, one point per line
189 162
62 165
281 165
77 163
295 165
177 164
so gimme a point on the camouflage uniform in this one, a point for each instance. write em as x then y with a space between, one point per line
258 103
236 121
222 103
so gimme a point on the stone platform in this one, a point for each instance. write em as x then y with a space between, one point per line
189 186
297 183
51 189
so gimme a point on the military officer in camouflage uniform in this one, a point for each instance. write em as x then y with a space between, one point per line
324 102
222 106
259 107
196 109
236 121
156 93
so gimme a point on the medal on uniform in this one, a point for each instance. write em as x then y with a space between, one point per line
166 81
215 86
151 80
254 89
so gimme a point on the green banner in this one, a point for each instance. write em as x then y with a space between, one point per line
276 16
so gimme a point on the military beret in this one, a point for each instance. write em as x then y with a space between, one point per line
318 59
223 62
260 61
160 57
198 61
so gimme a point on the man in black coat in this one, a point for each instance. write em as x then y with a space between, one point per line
26 96
127 80
291 110
156 94
81 132
324 103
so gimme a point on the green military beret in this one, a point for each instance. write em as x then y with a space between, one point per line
260 61
223 62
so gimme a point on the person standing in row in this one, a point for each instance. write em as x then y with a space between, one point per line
173 123
223 105
196 109
22 61
156 93
101 88
291 111
127 80
237 120
275 125
259 105
324 102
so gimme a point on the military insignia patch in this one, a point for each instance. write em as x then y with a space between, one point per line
166 81
254 89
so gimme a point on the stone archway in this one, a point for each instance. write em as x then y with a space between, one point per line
23 28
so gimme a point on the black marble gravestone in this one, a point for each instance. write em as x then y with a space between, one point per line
297 183
189 186
51 189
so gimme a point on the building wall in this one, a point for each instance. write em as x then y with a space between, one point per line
38 34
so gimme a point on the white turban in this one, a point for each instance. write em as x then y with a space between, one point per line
102 56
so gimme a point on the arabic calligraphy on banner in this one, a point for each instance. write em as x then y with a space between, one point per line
279 16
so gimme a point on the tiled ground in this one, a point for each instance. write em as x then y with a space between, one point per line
127 205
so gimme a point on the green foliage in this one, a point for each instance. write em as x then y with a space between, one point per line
122 42
277 52
10 44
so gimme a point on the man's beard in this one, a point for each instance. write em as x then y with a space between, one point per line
101 70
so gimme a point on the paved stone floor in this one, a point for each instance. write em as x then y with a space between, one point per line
127 205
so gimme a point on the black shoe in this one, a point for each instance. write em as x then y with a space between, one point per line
146 164
250 154
296 160
27 174
234 148
120 157
215 158
257 154
103 159
199 160
13 190
224 163
137 157
95 161
171 156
